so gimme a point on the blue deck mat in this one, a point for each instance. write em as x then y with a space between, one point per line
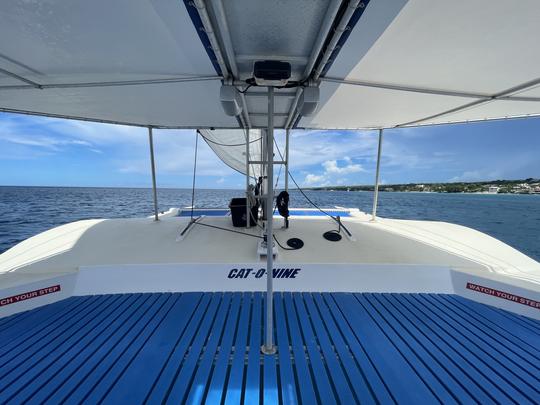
332 348
226 212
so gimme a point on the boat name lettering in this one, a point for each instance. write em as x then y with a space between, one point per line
29 294
504 295
279 272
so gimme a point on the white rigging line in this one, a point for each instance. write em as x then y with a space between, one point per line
505 95
118 83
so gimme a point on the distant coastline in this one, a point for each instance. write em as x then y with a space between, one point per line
524 186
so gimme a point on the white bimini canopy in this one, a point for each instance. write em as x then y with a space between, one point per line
378 63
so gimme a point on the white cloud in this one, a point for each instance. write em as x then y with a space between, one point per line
331 167
125 147
315 180
319 158
175 154
46 142
308 148
477 175
317 147
333 173
37 134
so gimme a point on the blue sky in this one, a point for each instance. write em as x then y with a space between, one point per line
55 152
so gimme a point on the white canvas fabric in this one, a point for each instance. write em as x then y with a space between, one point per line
421 51
230 146
406 62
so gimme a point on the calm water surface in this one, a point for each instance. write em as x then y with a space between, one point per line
26 211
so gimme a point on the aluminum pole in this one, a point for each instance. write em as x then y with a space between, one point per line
376 189
248 207
153 165
287 160
263 171
324 31
268 347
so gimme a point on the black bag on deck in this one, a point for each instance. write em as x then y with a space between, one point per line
238 212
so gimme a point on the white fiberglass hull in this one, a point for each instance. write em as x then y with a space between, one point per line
141 255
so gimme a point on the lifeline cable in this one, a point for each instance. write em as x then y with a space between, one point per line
307 198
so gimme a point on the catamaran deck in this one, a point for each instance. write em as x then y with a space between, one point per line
142 240
333 348
141 255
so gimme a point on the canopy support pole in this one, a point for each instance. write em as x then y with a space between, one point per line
263 171
248 207
376 188
20 78
194 173
287 159
225 35
153 166
268 347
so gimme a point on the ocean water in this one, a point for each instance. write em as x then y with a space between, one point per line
26 211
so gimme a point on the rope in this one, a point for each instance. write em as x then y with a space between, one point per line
279 174
273 235
309 200
194 173
225 144
245 234
229 230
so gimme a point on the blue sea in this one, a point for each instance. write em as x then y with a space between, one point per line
26 211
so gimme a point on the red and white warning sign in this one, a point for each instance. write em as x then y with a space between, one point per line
30 294
504 295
